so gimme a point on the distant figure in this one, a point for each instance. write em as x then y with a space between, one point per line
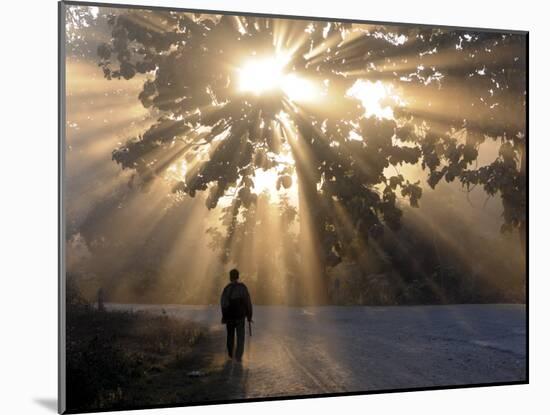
236 305
100 300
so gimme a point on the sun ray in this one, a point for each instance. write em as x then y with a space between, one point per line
283 110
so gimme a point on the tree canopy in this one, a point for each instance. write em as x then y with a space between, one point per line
460 89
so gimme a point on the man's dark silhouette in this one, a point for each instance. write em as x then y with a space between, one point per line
236 306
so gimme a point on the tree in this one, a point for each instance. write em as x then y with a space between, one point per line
465 88
274 261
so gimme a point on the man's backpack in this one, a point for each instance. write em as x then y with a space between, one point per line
233 305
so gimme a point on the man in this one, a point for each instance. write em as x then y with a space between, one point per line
236 306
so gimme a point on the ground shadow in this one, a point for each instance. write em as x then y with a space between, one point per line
224 379
48 403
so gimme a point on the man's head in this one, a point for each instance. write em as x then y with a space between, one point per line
234 275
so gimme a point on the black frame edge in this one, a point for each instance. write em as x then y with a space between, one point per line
285 16
61 100
527 275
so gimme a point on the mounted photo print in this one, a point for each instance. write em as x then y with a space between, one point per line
258 207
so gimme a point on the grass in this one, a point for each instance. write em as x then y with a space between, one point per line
111 354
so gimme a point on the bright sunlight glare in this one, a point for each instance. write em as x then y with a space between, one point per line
265 75
375 97
265 181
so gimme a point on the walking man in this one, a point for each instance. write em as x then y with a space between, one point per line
236 306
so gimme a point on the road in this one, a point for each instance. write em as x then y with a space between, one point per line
312 350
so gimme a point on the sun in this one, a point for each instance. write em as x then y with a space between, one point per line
260 76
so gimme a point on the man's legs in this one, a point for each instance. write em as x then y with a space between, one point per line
230 337
240 339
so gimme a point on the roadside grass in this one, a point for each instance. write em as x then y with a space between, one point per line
109 353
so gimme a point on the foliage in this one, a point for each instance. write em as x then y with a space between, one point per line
185 55
464 88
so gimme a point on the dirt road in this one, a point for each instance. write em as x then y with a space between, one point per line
312 350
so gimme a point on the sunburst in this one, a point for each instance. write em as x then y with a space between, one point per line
260 76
